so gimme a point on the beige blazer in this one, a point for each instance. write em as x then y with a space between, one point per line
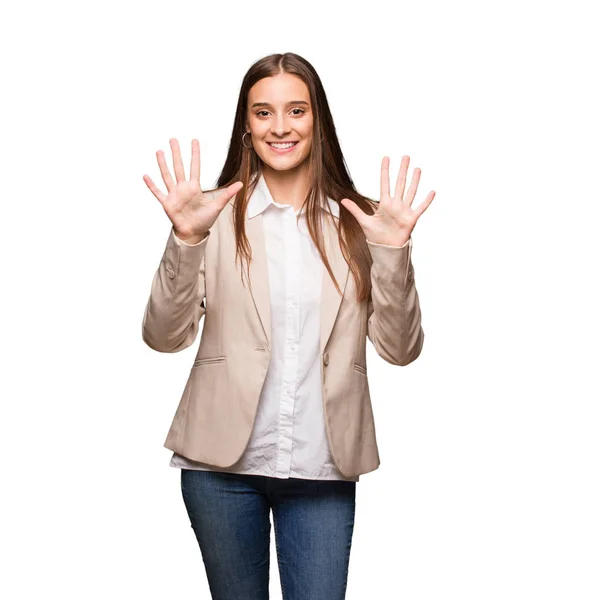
216 412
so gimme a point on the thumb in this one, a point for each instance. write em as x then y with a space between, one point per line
229 192
355 210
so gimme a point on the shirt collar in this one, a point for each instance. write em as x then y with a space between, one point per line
261 198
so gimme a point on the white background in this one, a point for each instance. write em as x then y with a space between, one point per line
489 480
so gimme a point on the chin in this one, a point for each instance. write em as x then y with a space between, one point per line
284 167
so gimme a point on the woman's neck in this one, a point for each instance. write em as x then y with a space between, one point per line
289 186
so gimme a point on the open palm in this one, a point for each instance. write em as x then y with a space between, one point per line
190 210
393 221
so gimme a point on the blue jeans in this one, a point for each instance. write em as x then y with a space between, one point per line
230 516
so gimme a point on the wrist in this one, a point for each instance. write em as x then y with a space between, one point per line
190 239
396 243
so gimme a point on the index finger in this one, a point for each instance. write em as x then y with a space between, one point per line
385 176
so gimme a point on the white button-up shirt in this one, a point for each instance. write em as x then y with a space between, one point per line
289 438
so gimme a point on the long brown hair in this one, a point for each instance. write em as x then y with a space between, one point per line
329 174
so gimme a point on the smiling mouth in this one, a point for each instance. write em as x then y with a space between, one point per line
282 145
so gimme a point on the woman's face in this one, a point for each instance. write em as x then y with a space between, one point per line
279 110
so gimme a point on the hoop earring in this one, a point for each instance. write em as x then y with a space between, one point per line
243 144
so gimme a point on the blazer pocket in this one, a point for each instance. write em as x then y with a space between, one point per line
360 369
208 360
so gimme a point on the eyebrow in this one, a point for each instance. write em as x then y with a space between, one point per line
287 103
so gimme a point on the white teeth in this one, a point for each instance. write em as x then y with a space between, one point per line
282 146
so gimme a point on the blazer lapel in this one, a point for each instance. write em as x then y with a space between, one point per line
330 297
259 272
259 275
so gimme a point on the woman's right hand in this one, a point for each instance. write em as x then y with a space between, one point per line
191 212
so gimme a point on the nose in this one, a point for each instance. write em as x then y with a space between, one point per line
280 126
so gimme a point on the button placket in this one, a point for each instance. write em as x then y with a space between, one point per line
290 359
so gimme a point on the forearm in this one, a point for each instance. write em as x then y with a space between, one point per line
175 306
394 313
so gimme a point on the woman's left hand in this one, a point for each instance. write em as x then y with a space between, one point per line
394 220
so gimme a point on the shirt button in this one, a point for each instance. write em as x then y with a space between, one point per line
326 358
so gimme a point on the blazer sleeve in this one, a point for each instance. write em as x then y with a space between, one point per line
394 315
177 297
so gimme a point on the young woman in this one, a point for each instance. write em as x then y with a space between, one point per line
276 413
